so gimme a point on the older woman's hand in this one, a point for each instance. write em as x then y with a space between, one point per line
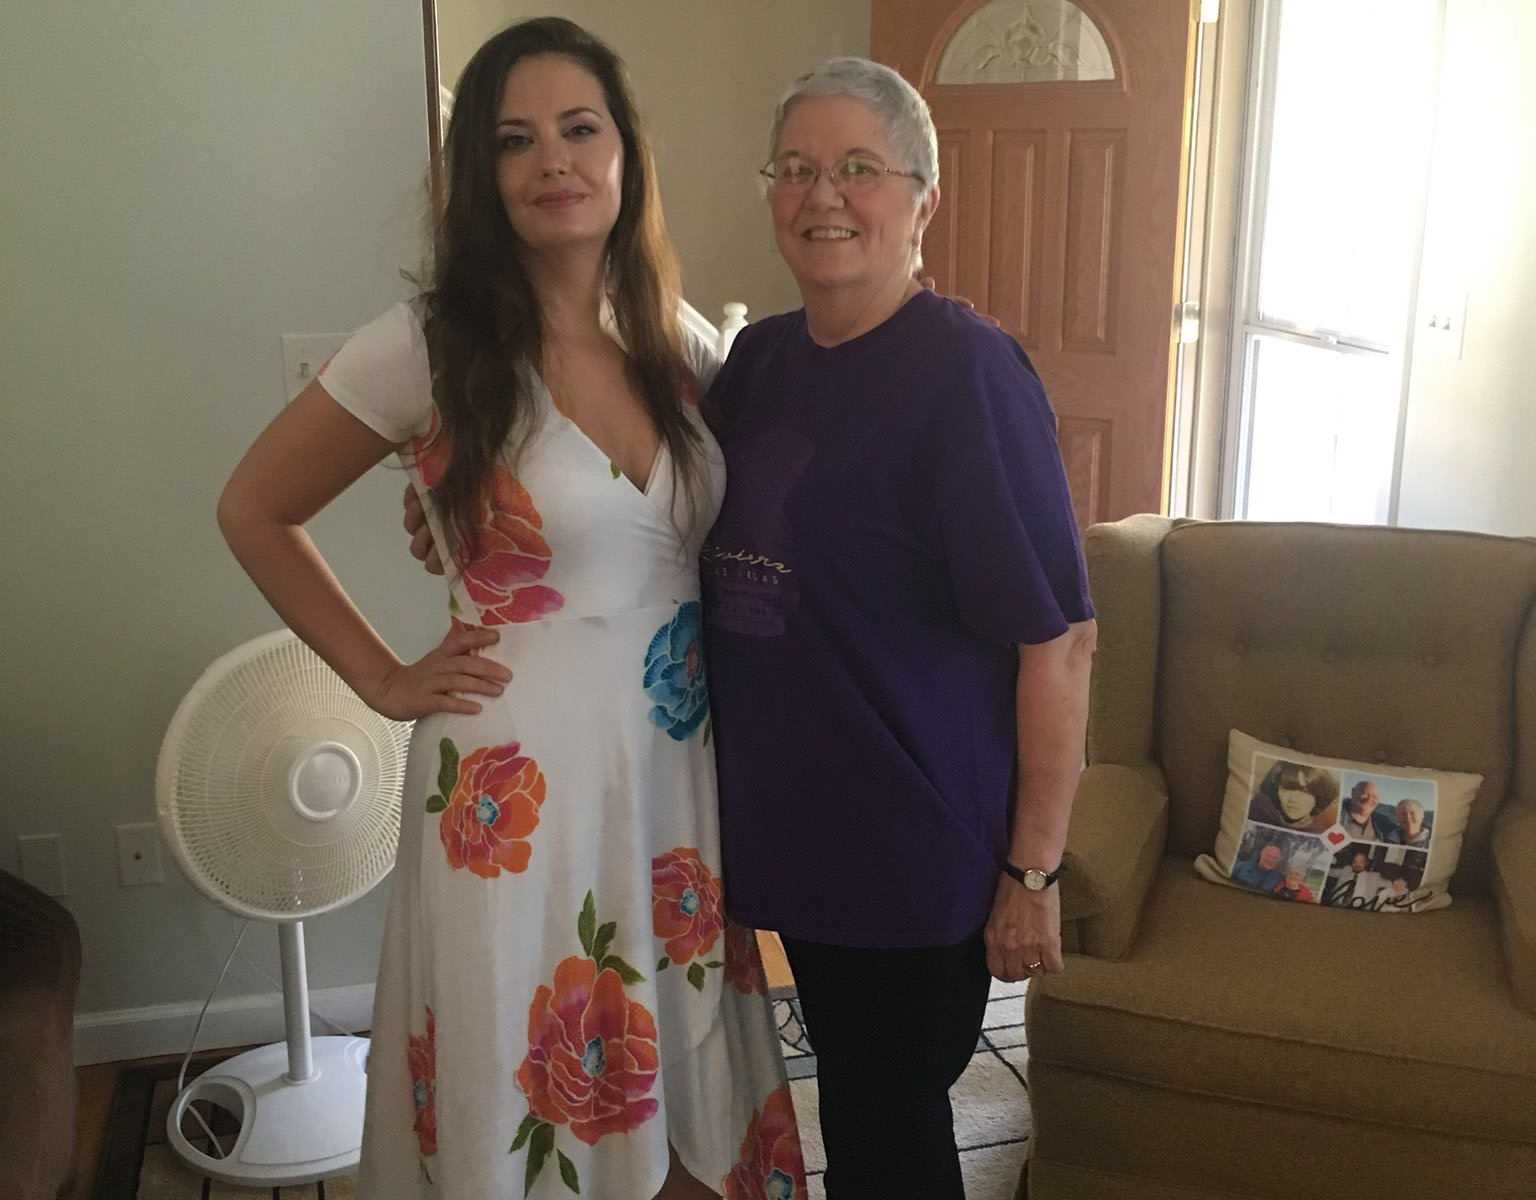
1023 934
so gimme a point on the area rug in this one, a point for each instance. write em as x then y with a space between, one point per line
991 1102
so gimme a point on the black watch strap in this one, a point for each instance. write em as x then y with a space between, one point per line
1017 874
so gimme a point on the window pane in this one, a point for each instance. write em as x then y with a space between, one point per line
1013 41
1324 433
1352 123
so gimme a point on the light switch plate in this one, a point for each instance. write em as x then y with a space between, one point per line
41 857
138 854
303 356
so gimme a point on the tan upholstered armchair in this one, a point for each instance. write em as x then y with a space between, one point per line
1206 1043
39 975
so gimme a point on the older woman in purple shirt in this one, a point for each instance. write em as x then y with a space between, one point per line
899 636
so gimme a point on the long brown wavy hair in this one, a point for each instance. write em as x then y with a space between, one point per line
481 317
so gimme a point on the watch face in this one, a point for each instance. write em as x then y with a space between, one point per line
1034 879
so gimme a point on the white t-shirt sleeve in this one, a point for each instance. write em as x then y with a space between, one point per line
381 376
701 347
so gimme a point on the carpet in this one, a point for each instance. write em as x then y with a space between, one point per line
991 1102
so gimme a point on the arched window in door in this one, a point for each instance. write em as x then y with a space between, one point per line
1026 41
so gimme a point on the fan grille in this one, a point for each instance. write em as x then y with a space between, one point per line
224 800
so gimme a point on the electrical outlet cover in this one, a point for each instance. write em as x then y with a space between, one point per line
303 356
138 855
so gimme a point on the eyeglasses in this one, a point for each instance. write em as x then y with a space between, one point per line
855 173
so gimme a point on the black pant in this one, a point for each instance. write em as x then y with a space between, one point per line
892 1031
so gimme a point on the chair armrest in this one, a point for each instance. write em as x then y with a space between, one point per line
1114 843
1514 885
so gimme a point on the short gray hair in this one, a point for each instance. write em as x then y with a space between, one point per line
908 123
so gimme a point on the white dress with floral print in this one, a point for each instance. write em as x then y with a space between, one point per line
559 995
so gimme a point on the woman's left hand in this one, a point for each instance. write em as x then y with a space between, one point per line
1023 934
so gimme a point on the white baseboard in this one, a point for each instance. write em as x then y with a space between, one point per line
129 1033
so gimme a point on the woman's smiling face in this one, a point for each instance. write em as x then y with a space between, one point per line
859 238
560 158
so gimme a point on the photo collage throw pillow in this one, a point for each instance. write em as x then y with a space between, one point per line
1316 830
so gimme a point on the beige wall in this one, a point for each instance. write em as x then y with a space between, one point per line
182 184
1471 420
707 74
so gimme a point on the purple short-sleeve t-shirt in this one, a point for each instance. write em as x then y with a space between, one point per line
896 520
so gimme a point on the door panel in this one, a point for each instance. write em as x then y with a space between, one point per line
1089 302
1017 231
1085 456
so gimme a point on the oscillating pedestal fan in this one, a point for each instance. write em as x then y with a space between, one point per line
279 794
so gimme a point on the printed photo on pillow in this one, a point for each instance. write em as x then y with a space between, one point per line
1287 866
1376 878
1388 808
1293 796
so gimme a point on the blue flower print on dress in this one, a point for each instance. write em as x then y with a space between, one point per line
674 674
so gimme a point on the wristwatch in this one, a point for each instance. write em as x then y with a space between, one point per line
1033 878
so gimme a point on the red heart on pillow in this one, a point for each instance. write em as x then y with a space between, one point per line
1335 836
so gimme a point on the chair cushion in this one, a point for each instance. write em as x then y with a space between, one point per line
1324 1011
1379 645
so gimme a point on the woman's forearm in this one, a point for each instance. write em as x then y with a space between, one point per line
283 562
1052 716
312 452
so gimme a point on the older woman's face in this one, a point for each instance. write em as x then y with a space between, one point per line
864 238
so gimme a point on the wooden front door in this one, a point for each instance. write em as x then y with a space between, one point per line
1061 158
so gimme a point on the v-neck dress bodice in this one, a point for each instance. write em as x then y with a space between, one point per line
559 991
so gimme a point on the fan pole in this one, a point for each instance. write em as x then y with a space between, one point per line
290 938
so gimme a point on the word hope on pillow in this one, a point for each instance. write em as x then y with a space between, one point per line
1344 834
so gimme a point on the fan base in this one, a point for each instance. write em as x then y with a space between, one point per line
290 1133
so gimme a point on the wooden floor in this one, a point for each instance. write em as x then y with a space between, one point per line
775 965
98 1081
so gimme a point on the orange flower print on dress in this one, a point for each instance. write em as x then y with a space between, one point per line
492 805
771 1166
743 960
422 1057
686 908
511 554
592 1058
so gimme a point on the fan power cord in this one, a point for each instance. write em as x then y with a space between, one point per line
313 1011
181 1076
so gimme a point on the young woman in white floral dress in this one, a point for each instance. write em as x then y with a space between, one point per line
561 1005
